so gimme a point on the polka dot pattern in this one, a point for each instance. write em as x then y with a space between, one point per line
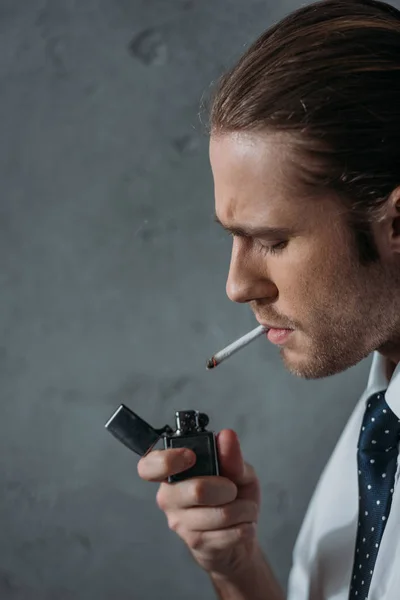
377 462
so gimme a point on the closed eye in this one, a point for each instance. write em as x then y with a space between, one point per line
262 247
274 249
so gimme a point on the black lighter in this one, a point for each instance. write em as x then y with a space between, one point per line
190 432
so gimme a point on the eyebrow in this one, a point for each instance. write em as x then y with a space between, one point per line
272 232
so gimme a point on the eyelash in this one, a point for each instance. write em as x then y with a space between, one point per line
273 250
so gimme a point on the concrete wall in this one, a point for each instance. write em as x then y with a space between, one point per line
112 279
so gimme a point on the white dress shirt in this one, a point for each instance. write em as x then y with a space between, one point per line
324 551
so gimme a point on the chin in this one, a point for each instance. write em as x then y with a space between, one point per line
308 367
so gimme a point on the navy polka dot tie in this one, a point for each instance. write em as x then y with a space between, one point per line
377 463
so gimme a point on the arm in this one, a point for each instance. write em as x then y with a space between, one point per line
256 582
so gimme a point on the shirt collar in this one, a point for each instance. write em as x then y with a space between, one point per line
378 381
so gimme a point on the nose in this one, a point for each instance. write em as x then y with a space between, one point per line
248 279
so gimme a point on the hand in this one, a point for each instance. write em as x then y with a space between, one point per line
215 516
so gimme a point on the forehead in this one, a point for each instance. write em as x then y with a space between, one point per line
255 177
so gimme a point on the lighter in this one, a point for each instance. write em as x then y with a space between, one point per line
190 432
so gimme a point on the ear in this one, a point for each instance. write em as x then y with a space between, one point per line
388 227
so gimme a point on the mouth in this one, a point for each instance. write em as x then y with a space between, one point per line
276 334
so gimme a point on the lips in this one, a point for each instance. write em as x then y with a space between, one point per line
269 326
279 336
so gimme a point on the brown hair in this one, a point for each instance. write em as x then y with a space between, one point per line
328 73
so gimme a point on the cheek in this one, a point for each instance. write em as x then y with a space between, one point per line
294 285
304 278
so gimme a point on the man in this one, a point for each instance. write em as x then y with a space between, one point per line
305 154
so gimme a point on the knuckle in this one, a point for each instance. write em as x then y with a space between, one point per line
173 522
195 540
244 532
224 515
196 492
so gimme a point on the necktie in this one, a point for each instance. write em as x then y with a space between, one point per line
377 463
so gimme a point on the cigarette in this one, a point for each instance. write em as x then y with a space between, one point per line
222 355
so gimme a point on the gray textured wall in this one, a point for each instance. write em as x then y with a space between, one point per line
113 289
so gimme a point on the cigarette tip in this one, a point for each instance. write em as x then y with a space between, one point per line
211 363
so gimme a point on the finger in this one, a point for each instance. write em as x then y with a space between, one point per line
231 460
160 464
222 539
198 491
213 518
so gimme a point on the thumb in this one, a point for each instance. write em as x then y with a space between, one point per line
231 460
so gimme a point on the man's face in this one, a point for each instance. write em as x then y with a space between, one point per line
314 283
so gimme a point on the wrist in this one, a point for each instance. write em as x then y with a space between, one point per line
243 569
253 579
